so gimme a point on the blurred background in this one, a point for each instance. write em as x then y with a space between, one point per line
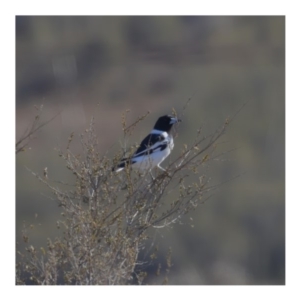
79 67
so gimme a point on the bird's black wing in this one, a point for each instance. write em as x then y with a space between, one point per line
151 143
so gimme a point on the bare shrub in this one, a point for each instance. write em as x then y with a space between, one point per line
106 217
28 134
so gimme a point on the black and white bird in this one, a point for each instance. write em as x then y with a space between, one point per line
154 148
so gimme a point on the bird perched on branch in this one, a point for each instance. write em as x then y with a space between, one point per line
154 148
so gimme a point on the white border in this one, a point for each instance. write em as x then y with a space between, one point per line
55 7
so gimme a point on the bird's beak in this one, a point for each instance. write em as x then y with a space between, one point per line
174 120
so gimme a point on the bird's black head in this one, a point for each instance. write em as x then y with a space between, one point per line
165 123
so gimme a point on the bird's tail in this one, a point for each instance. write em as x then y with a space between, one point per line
119 167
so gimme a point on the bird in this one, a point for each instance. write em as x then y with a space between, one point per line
154 148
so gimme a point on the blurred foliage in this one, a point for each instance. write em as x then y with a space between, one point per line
100 66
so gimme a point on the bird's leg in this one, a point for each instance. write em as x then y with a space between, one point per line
165 171
161 168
